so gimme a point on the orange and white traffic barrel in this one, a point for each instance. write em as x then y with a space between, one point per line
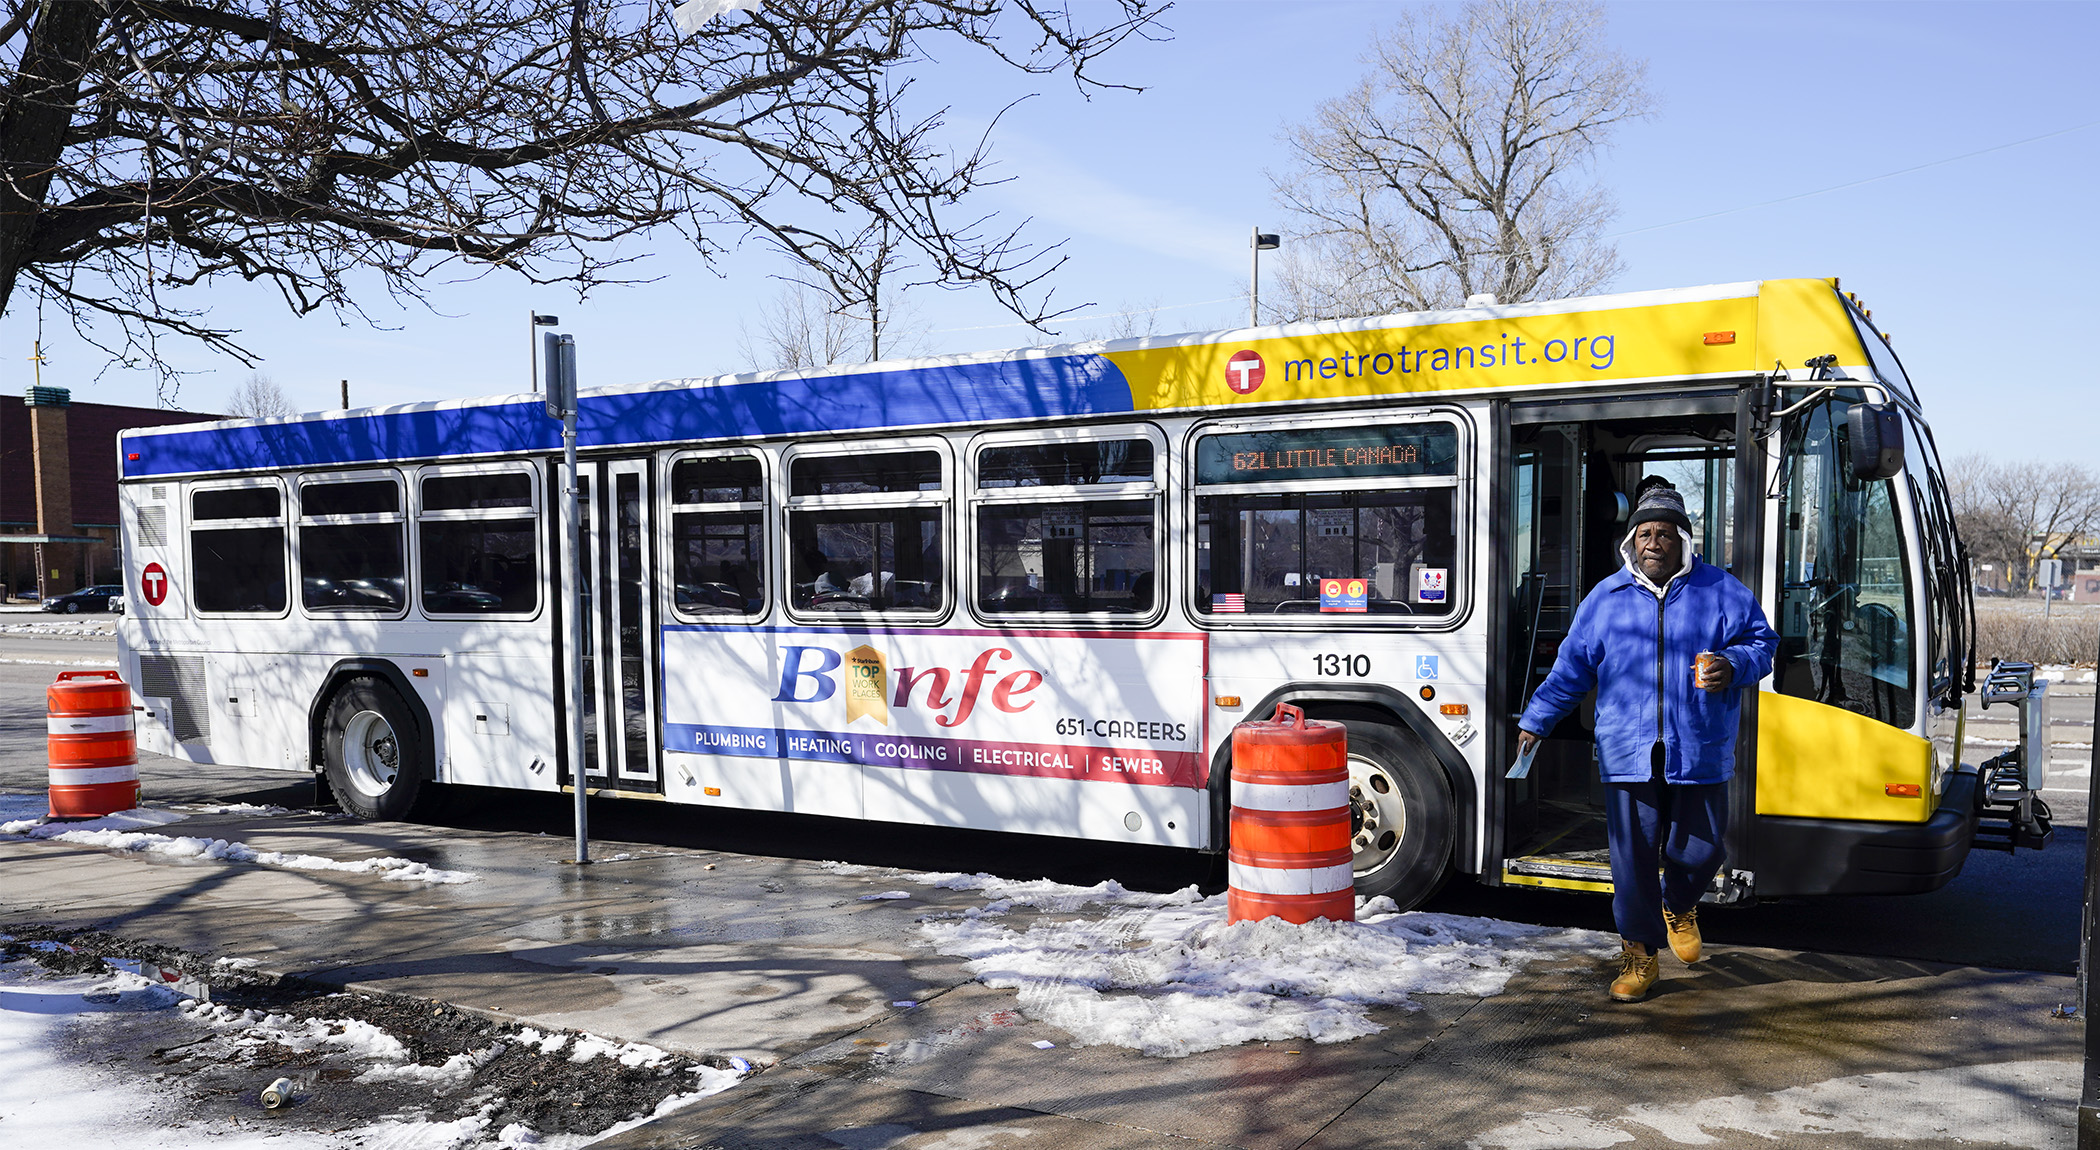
1290 854
94 745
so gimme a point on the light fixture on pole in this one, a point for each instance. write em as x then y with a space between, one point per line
532 338
1262 242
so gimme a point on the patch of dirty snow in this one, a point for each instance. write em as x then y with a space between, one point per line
1054 897
46 1097
1170 977
22 815
589 1046
109 835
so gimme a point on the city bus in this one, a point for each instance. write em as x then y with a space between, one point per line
1033 591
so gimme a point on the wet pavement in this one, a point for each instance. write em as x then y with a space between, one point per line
782 961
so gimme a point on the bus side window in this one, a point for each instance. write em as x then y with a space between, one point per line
1368 513
1058 532
237 550
864 532
352 556
718 536
477 538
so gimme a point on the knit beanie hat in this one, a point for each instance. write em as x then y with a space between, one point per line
1655 498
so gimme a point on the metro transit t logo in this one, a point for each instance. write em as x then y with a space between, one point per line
1245 371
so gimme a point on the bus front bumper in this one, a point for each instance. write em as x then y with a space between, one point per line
1845 856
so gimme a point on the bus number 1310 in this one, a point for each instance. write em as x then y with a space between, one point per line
1357 665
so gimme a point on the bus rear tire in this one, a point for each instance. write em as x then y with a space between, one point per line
1400 815
372 754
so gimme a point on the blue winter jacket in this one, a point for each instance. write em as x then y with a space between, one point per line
1625 641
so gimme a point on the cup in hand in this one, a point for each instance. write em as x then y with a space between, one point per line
1706 669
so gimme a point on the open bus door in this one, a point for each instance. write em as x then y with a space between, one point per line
619 626
1571 471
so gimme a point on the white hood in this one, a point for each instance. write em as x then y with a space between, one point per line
1641 577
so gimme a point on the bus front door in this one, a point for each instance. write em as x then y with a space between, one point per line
1573 472
619 712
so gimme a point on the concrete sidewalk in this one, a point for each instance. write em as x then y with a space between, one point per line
784 963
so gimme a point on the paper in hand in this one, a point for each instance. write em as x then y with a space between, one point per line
1522 766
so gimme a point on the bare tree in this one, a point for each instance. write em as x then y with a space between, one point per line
153 146
807 327
1454 167
799 330
259 397
2015 513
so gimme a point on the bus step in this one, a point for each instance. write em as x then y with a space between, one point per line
1550 866
2024 825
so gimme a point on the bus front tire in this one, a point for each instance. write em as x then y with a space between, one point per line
1400 816
371 752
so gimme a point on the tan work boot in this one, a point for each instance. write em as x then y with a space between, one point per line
1637 973
1684 933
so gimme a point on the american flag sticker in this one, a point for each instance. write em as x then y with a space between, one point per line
1230 603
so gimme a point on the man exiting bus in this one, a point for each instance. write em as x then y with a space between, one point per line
1668 643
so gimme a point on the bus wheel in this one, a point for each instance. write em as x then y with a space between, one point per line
1399 816
371 751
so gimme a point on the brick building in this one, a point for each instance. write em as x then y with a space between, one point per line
58 488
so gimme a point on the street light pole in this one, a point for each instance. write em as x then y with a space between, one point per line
1262 242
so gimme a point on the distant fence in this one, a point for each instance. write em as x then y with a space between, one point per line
2019 631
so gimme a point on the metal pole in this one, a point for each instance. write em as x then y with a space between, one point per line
532 340
1254 279
561 402
2089 1095
572 527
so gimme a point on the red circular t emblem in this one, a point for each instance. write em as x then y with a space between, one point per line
1244 371
153 583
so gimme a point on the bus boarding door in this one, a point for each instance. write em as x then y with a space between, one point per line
619 624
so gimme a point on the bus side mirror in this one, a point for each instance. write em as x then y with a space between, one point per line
1876 434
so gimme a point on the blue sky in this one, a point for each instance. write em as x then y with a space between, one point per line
1979 267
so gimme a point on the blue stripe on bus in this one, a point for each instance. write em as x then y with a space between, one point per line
346 439
1032 388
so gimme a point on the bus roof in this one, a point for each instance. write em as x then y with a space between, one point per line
1721 331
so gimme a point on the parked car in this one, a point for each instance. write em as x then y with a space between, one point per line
116 604
94 598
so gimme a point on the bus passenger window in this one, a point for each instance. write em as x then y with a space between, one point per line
1072 547
352 555
1349 521
718 536
237 550
477 536
864 532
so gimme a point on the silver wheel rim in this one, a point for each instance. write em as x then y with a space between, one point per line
1377 814
371 754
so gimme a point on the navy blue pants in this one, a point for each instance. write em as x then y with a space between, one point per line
1678 825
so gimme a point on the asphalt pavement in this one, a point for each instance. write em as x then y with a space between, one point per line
1927 1020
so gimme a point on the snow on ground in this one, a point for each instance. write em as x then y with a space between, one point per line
48 1099
1168 976
121 831
54 625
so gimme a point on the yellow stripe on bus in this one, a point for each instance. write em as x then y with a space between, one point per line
1816 761
1788 320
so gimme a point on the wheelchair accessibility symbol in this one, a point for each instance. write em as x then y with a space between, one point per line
1425 666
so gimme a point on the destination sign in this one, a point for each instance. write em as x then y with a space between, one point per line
1383 452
